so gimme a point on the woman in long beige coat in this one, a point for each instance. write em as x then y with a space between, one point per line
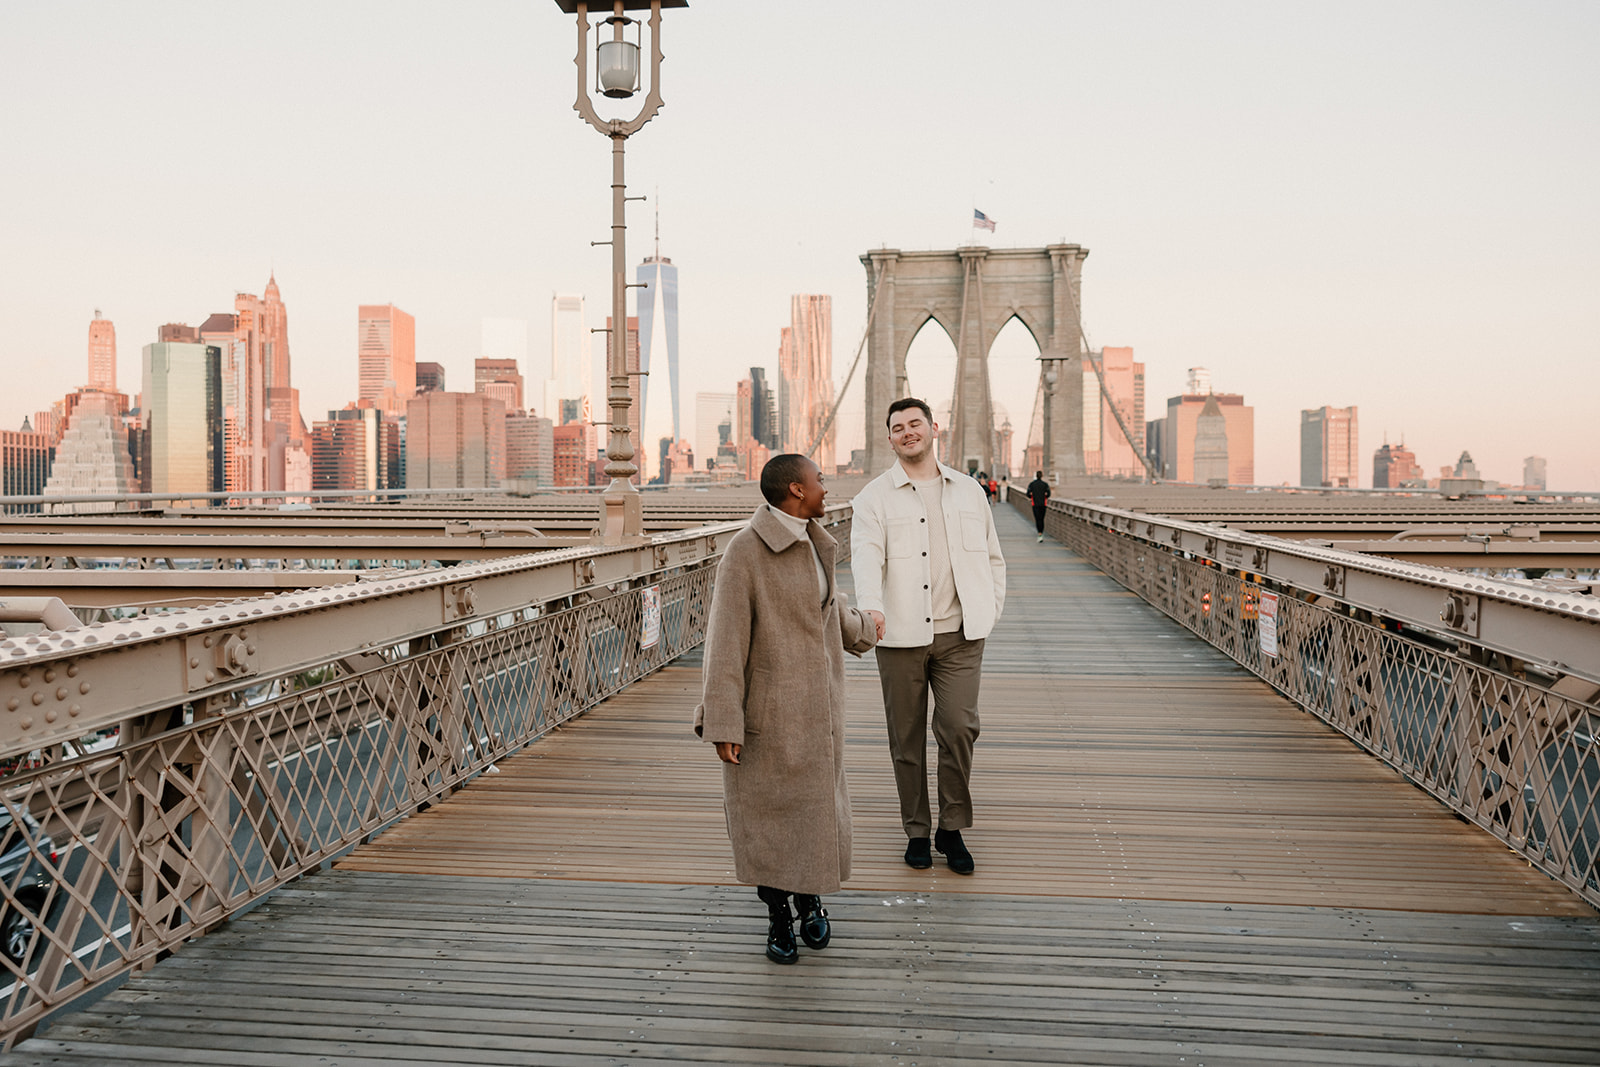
774 703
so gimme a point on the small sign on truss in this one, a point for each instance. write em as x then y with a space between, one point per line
650 617
1267 624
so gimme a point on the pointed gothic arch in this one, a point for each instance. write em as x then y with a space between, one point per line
973 293
920 381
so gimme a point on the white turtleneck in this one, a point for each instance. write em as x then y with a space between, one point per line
801 528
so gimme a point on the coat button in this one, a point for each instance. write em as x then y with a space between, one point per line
924 553
924 587
927 620
922 520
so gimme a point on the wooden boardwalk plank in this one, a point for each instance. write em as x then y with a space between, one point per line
1176 866
353 966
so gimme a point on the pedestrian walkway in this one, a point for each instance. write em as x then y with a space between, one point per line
1175 865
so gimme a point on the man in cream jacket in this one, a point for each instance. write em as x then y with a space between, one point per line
927 566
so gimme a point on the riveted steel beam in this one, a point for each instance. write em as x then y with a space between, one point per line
1556 628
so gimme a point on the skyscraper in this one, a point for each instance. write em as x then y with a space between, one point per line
635 412
246 449
430 378
805 377
763 409
1393 466
386 352
283 399
658 328
571 446
568 393
455 441
1329 449
530 452
500 379
1211 444
102 354
182 449
1533 472
24 465
357 448
710 410
1178 432
1106 449
92 457
503 353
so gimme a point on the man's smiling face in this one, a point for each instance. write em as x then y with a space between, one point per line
911 435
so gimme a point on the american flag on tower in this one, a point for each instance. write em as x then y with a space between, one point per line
980 221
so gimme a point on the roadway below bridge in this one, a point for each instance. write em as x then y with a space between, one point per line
1176 865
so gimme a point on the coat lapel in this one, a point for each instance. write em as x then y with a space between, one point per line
828 552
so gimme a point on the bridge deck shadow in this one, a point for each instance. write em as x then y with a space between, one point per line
1176 865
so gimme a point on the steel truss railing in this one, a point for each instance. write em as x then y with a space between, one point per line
1505 737
259 740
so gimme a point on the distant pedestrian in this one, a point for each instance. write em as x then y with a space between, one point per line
994 489
1039 497
777 720
927 562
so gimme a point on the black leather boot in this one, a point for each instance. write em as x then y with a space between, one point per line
780 926
814 927
955 850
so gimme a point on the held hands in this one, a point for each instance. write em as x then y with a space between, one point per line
728 752
877 621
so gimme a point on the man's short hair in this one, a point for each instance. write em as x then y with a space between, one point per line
908 402
780 473
1039 475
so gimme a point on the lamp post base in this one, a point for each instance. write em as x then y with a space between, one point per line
621 515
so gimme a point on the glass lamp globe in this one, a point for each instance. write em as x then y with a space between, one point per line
617 67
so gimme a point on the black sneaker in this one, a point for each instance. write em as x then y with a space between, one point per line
780 934
918 854
955 852
814 927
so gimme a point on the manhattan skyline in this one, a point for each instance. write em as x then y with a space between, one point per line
1387 208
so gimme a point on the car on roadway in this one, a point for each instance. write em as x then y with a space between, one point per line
27 871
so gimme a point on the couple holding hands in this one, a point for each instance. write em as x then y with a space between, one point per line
930 582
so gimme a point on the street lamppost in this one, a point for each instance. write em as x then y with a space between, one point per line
1050 363
617 77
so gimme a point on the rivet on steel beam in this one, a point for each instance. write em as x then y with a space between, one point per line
49 676
74 710
61 694
211 676
206 641
13 704
25 681
72 670
26 723
38 698
50 716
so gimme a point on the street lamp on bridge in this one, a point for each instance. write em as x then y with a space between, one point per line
617 76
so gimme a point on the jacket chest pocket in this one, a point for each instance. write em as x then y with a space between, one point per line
901 538
974 533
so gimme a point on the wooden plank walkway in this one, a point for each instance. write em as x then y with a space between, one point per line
1175 866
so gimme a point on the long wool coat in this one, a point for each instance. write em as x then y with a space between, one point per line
774 684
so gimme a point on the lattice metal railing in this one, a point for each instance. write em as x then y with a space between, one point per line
113 858
1482 731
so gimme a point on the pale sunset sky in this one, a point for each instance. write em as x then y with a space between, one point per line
1387 205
